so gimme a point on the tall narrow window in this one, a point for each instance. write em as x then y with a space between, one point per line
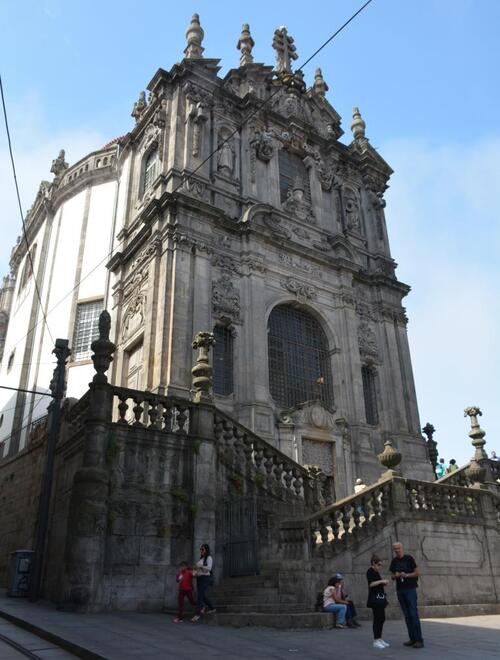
223 360
291 168
27 270
299 363
150 169
369 377
86 328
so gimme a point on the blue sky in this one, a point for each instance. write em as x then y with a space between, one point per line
425 76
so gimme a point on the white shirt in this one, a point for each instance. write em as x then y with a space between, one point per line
201 568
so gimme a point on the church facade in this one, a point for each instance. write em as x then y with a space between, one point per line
233 207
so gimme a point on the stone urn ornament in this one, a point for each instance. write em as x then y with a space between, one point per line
389 458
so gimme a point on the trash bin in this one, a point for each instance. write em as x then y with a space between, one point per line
20 573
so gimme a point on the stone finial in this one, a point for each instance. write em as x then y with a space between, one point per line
320 87
102 348
285 50
201 383
358 125
139 106
477 470
59 164
245 45
194 35
389 458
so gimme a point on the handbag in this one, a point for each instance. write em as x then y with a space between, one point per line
377 600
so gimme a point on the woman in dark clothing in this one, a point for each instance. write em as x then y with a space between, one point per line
377 600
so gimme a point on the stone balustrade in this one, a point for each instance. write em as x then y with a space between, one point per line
354 517
150 411
457 478
247 455
449 500
99 160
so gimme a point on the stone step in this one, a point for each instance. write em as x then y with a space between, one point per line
304 620
246 599
271 608
256 593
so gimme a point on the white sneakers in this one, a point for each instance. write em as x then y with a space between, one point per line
380 644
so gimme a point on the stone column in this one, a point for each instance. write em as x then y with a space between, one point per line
87 520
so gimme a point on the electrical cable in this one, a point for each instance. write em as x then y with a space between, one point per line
21 212
187 176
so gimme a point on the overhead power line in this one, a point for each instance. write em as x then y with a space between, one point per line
186 177
21 212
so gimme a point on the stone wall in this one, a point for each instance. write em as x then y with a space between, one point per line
453 533
19 494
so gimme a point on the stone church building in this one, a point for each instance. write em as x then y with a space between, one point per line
231 206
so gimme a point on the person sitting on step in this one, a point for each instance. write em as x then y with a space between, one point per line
330 604
341 596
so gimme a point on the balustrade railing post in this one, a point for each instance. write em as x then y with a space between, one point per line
87 520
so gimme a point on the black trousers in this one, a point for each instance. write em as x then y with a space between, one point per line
378 621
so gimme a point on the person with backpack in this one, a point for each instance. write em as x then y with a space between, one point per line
377 600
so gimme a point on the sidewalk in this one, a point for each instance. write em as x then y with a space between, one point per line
136 636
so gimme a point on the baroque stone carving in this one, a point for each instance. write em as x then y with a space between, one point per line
297 204
139 106
351 209
367 341
226 298
302 290
134 316
275 225
224 262
287 260
59 165
285 50
318 453
194 36
195 188
225 156
301 233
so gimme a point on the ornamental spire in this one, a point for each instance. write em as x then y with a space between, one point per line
358 125
285 50
245 45
194 35
320 87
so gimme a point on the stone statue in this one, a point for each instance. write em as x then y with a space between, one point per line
225 158
245 45
139 106
59 165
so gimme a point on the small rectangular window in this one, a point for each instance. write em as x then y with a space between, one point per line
223 361
86 328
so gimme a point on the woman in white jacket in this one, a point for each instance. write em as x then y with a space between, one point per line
203 572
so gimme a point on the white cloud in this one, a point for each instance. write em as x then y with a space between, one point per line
34 147
445 234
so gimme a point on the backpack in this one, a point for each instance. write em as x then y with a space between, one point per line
318 607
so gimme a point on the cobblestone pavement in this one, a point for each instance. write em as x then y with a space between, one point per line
130 635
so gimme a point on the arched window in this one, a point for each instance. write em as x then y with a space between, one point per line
299 363
291 168
369 377
150 169
223 360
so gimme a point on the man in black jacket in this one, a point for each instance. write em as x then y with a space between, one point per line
405 572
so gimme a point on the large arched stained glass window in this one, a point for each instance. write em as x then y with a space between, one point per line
299 364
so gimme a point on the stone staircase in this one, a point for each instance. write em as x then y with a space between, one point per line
255 601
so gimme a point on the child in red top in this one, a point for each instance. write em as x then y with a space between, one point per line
185 581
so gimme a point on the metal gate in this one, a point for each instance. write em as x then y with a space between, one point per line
240 537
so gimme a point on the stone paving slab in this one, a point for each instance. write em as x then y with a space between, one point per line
131 635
